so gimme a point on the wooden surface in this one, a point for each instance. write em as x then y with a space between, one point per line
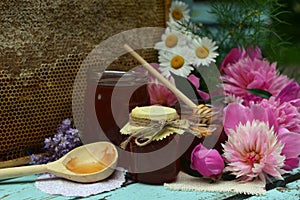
24 188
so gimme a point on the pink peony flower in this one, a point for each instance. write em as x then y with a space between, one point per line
209 163
254 53
290 93
195 81
236 115
232 57
239 53
252 74
291 149
253 151
285 113
160 94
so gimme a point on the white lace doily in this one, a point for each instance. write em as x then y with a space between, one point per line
54 185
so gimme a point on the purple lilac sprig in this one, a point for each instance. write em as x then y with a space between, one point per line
66 139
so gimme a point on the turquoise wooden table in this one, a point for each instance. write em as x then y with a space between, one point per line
24 188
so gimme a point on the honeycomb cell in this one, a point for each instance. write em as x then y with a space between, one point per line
37 94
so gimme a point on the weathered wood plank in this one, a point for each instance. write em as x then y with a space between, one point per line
23 188
289 192
141 191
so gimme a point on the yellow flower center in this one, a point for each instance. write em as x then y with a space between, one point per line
202 52
171 41
177 62
177 14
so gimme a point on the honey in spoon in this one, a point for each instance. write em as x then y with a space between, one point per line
84 168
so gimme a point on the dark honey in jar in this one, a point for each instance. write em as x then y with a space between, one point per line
116 94
153 160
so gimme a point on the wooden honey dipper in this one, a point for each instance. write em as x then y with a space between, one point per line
204 113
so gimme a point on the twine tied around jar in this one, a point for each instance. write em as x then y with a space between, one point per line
153 128
153 123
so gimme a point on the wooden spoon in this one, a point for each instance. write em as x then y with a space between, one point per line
155 73
88 163
199 110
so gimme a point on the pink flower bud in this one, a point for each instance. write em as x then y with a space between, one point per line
208 162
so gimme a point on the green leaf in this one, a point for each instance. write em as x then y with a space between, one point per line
259 92
228 177
203 86
186 87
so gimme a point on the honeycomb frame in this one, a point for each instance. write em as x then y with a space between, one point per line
40 58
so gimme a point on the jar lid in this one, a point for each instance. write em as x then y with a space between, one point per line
154 113
111 77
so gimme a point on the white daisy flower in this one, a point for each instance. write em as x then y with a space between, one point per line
175 25
176 62
203 51
179 11
182 30
171 39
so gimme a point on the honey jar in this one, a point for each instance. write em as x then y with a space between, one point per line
116 93
152 139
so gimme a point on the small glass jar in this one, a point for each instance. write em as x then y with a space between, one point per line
160 176
157 161
116 94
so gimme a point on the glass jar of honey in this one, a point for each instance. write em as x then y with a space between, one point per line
152 139
115 94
